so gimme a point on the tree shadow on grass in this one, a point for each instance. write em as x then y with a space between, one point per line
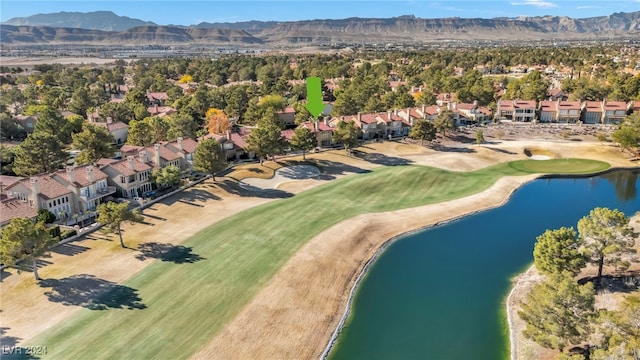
330 169
457 149
167 252
69 249
501 150
380 159
9 348
7 341
92 293
234 188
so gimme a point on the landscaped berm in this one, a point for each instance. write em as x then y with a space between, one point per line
222 272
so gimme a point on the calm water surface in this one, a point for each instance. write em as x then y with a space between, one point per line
439 294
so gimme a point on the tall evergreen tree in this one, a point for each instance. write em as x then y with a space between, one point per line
266 139
557 312
607 237
346 134
40 152
423 129
303 139
94 143
24 240
558 250
112 215
210 157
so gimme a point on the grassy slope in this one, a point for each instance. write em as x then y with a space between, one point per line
188 303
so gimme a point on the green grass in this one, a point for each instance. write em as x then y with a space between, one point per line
186 304
560 166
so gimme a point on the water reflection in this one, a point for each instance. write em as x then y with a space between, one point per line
624 183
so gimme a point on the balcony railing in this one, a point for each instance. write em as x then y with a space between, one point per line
102 192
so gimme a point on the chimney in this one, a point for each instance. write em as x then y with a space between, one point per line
413 89
229 134
71 174
454 105
90 173
109 120
389 115
475 103
359 116
35 191
142 155
315 125
155 110
326 121
424 108
395 112
156 147
130 161
179 141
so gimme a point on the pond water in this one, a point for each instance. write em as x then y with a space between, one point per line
439 294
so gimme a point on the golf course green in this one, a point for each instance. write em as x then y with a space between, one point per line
183 305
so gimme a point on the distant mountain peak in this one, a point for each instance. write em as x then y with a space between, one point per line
105 27
95 20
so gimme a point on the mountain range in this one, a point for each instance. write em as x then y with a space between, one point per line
107 28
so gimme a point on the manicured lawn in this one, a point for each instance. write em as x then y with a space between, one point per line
560 166
186 304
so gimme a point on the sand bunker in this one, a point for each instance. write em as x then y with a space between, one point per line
539 157
296 172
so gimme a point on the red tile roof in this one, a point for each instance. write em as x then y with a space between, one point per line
130 149
112 126
122 167
287 110
6 180
287 134
157 96
13 208
161 110
189 145
324 127
466 106
81 175
165 153
569 105
368 118
548 105
593 106
102 162
49 188
615 105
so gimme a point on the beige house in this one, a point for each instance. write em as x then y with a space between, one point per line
323 132
88 184
118 129
186 149
131 176
43 192
592 112
516 110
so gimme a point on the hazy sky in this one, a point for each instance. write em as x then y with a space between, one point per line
164 12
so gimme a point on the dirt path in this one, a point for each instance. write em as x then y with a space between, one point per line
308 306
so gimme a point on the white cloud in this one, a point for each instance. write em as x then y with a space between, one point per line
589 7
538 3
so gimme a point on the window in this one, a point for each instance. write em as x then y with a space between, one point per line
122 179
